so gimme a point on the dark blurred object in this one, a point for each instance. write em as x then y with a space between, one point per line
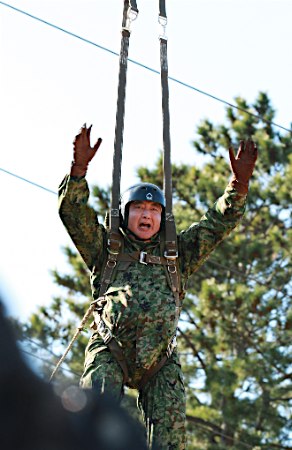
33 417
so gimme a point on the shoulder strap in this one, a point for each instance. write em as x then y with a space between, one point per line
115 244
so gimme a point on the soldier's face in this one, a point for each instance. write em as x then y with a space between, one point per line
144 218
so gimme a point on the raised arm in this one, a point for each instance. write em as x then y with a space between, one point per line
78 217
200 239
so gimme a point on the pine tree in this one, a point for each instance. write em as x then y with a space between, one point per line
235 331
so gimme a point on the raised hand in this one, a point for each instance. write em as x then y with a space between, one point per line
83 152
242 165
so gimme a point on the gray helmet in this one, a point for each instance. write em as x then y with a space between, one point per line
140 191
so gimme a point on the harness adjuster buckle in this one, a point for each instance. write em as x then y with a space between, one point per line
171 346
172 256
104 332
142 258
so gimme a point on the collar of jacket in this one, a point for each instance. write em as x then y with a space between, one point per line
138 244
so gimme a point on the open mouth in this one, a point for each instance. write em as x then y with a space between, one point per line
144 226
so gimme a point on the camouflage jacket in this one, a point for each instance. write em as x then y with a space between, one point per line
140 307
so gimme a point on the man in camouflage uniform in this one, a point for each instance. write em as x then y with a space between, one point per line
139 306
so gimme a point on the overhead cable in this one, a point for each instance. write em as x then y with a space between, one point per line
28 181
45 361
175 80
211 261
241 274
213 429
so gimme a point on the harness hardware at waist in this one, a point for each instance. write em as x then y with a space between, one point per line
116 350
104 332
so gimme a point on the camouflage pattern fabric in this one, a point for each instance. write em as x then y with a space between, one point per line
162 401
140 307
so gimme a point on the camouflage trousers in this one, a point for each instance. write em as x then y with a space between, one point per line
161 401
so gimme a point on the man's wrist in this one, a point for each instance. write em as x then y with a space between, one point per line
240 186
77 170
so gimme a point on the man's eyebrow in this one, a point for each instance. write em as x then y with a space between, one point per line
140 202
137 202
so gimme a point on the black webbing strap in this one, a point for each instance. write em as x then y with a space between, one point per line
157 366
162 10
133 5
170 224
130 7
117 159
170 229
142 258
108 338
114 243
115 239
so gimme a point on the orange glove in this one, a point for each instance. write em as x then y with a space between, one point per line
83 152
242 165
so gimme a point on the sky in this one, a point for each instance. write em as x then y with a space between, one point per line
52 83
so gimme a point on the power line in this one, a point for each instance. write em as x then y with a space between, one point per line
175 80
207 426
211 261
45 361
241 274
214 430
28 181
32 341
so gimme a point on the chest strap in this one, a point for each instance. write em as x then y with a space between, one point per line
142 257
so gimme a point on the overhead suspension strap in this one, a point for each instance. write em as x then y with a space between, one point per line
170 230
162 10
129 14
171 250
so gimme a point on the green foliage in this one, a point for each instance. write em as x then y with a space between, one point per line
235 333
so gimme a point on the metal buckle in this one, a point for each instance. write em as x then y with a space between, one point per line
171 346
171 269
132 15
163 22
142 259
104 332
111 263
167 256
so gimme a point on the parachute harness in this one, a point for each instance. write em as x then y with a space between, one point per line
115 240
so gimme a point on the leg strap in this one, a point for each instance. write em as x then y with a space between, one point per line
107 337
116 351
157 366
